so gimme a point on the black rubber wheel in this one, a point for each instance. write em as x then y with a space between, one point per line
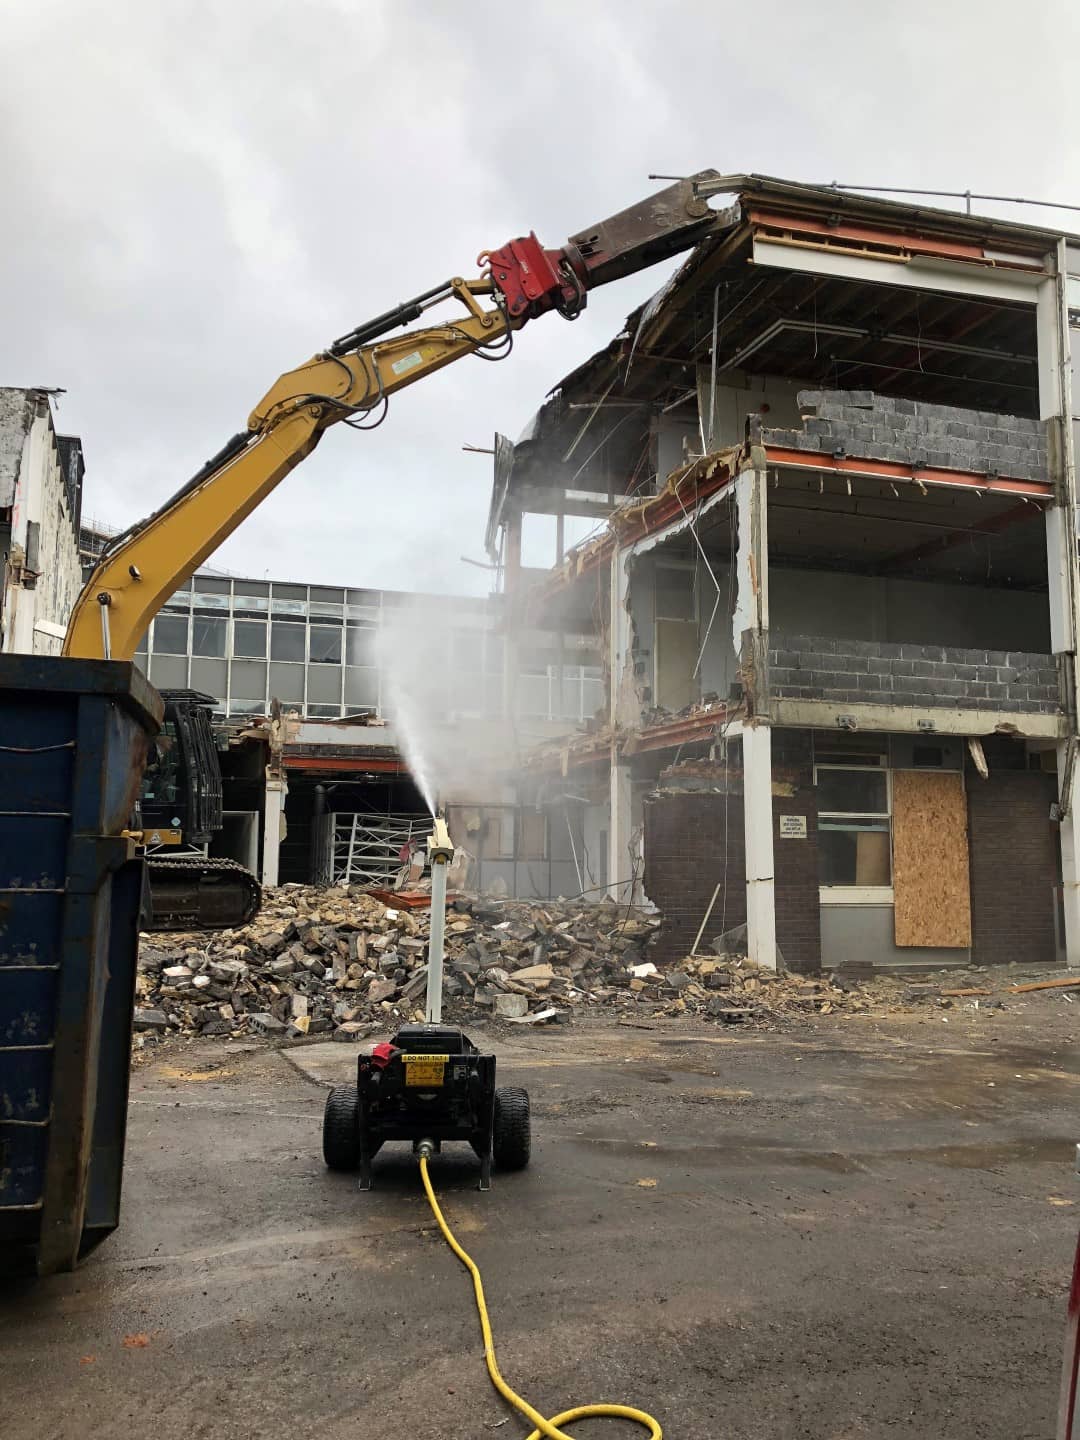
513 1128
340 1132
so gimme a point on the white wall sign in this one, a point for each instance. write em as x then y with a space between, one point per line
793 827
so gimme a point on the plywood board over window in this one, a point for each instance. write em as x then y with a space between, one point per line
932 900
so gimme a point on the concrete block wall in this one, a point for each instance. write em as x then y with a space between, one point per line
912 432
874 672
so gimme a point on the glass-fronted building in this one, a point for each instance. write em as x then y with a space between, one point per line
315 649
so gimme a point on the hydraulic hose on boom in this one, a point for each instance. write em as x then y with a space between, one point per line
351 382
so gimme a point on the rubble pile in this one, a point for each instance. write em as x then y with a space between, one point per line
339 961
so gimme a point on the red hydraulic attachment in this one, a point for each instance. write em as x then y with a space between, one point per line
533 280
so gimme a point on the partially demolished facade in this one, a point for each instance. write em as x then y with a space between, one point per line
41 475
833 582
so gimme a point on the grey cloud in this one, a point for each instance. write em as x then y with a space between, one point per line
199 196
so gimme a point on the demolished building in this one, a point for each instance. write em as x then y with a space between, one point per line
41 475
833 584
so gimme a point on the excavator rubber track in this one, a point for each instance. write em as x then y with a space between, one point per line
192 892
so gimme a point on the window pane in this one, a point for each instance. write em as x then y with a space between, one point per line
208 636
250 602
210 602
360 645
856 853
286 642
249 638
324 684
852 792
168 672
287 683
209 676
324 712
246 707
326 644
288 607
248 681
361 689
170 635
532 696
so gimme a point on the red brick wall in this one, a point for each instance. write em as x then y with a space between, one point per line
798 912
1014 864
684 860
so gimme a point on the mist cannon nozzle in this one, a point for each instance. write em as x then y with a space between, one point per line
440 847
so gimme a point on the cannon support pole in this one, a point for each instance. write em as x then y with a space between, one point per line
440 854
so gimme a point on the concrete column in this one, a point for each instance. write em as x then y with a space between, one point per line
619 860
758 826
1055 336
622 714
1068 777
277 788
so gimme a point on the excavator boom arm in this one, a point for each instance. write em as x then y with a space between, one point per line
351 382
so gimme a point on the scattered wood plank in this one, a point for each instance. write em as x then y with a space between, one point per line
1065 984
959 994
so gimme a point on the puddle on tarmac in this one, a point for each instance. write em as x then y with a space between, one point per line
1026 1150
747 1152
741 1152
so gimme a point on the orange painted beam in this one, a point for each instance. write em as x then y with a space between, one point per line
894 239
896 470
347 764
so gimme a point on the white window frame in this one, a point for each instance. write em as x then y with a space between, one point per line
859 894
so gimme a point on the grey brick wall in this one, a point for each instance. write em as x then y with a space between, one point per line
876 672
881 427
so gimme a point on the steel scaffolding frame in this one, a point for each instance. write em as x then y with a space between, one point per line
363 847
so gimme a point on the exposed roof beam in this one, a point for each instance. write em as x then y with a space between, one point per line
993 525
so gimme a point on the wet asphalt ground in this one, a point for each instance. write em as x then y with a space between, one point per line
857 1228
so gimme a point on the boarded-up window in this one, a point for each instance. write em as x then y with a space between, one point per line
932 902
532 837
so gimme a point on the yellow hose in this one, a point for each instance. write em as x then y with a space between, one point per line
549 1428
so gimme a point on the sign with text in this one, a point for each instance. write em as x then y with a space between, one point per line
793 827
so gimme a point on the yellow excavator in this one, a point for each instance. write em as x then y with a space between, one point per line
349 383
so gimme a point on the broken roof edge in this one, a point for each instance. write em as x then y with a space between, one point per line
752 188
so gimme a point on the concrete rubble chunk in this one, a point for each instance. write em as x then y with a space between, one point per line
351 1032
535 975
150 1019
263 1023
511 1006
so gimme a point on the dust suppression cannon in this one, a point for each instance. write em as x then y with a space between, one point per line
429 1083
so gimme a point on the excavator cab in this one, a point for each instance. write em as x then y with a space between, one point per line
181 792
180 811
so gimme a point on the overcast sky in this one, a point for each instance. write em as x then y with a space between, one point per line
200 195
